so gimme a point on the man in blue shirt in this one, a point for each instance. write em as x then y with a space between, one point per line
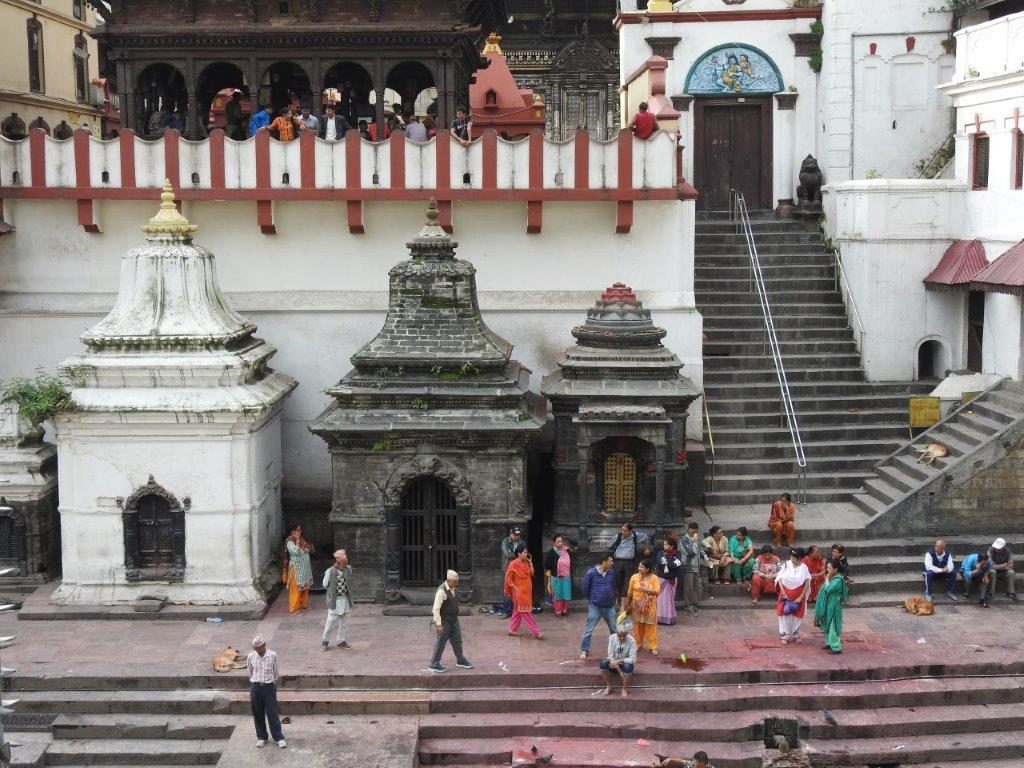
599 589
260 120
977 569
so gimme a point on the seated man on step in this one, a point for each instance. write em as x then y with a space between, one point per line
1001 561
938 566
976 569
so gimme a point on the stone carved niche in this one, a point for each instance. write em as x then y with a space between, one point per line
433 466
12 539
154 534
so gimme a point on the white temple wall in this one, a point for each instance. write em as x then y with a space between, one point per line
318 292
209 463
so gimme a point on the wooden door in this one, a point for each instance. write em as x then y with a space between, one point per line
156 533
975 329
619 483
429 546
733 151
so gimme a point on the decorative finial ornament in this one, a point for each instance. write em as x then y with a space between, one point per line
432 242
493 44
168 220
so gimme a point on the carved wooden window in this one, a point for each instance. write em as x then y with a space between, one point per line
34 29
619 483
81 61
979 175
154 535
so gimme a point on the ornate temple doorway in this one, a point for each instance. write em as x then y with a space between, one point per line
429 533
733 86
620 483
154 535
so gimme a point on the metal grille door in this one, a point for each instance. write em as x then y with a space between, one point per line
429 532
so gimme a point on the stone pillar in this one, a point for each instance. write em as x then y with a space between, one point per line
464 560
785 172
378 116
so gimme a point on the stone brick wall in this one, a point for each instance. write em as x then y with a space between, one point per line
992 497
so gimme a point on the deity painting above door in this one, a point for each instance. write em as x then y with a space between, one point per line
733 69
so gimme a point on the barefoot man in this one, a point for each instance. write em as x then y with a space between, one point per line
621 657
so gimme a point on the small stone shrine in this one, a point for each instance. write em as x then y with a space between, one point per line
29 524
171 461
428 435
619 403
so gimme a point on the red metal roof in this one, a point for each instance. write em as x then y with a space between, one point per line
1004 275
958 265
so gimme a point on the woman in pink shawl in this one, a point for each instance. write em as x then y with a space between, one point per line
558 576
794 584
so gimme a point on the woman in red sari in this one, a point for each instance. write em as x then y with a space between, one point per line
816 565
519 587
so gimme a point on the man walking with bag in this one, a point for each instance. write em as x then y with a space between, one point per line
338 583
446 622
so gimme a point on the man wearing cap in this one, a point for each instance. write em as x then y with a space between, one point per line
621 657
338 583
1000 560
446 621
263 671
508 554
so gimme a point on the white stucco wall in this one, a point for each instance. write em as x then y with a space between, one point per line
318 292
881 111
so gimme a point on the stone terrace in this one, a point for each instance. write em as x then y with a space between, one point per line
144 692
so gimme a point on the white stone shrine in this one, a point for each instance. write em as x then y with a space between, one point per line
170 465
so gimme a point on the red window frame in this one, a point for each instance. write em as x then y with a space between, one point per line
977 183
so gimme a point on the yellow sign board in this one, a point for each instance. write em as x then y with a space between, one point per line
966 397
925 411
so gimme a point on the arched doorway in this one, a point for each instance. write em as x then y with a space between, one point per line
414 86
733 86
932 360
353 86
154 535
429 532
160 90
214 89
285 83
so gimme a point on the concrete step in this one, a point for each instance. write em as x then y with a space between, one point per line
913 750
833 481
766 260
807 418
136 726
135 752
576 753
794 375
767 392
774 284
823 348
715 222
721 402
766 495
740 335
726 268
813 310
840 360
739 297
819 435
785 247
743 322
703 238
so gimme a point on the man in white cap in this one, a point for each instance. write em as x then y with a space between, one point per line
262 665
621 657
1000 560
338 584
446 621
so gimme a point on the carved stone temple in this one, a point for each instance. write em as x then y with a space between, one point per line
170 465
619 403
29 524
428 435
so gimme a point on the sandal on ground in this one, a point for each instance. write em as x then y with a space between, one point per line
784 640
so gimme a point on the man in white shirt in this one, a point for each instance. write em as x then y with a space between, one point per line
621 658
414 129
333 126
938 566
263 672
446 622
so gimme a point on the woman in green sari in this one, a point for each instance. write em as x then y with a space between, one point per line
828 610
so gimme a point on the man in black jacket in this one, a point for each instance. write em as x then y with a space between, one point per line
333 126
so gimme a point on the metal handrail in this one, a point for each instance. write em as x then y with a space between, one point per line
847 293
927 166
710 437
738 207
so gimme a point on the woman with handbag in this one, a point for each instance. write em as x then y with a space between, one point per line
642 606
794 585
667 567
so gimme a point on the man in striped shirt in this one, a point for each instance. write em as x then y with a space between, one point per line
262 666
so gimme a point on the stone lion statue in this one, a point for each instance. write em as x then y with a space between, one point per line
809 191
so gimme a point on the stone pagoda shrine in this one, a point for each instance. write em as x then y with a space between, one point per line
428 435
171 461
29 524
619 403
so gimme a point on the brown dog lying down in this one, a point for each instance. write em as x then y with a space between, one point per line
918 606
932 452
227 660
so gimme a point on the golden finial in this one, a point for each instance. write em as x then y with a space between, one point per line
168 221
493 44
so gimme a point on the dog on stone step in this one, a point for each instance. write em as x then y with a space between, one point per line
932 452
227 660
918 606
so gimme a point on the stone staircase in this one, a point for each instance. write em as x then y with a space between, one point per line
847 424
883 706
975 434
